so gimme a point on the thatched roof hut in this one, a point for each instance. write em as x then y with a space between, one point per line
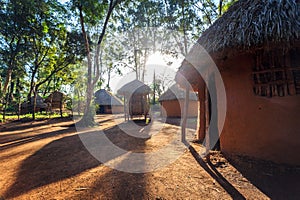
256 46
136 98
134 86
27 107
39 102
175 92
108 103
55 96
56 99
172 102
254 24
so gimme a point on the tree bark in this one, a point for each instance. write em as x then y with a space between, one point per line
7 81
34 103
88 117
220 7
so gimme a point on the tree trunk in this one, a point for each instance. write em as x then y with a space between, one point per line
34 103
88 117
184 28
144 65
108 78
87 120
7 81
78 103
220 7
136 65
19 107
11 91
60 107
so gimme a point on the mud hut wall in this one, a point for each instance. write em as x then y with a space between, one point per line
138 104
56 105
261 127
172 108
107 109
117 109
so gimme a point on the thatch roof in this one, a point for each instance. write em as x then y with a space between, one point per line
39 102
251 24
105 98
56 96
134 86
247 26
174 92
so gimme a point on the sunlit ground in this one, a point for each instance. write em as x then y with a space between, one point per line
46 159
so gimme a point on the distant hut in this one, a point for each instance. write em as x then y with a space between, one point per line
256 47
108 103
172 102
26 107
55 101
136 99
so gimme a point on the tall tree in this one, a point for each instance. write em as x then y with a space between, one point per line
86 12
50 49
12 41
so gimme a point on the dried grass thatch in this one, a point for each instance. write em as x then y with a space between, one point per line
105 98
39 102
56 96
136 98
247 26
134 86
27 107
251 24
174 92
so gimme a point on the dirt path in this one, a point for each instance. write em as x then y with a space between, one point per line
48 160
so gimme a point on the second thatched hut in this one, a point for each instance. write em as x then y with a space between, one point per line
108 103
27 107
136 99
55 101
172 103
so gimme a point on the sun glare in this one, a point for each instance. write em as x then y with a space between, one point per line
156 58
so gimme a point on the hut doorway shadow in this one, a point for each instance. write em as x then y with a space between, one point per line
101 109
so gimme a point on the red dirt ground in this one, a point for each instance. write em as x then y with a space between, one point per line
46 160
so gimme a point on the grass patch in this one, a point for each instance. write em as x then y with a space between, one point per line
29 116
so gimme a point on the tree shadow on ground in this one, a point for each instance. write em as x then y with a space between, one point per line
118 184
274 180
66 157
213 172
13 140
57 160
22 125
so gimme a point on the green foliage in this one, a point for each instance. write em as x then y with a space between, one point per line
227 4
42 45
38 116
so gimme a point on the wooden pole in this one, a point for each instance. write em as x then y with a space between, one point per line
207 113
201 111
125 107
185 114
289 75
61 105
